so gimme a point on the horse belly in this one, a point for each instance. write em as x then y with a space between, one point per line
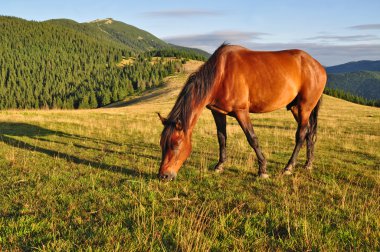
267 100
254 97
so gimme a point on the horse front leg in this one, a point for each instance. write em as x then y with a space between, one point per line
245 123
220 121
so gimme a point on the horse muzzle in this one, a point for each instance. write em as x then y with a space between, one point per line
167 176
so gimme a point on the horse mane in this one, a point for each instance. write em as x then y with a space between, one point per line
195 90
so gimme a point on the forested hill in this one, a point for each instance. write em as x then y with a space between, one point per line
363 83
65 64
355 81
131 37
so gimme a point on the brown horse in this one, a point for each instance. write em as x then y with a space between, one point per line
236 81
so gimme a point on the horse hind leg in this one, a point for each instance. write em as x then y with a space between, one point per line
307 129
220 121
302 118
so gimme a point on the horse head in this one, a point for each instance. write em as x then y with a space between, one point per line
176 148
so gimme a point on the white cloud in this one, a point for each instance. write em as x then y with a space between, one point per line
366 27
327 53
349 38
209 41
182 13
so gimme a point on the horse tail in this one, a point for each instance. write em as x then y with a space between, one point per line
313 123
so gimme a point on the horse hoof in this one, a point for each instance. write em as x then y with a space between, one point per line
264 175
287 172
219 168
308 167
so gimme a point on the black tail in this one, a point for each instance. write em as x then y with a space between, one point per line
311 136
313 124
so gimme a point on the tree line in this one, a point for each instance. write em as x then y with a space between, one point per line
341 94
178 53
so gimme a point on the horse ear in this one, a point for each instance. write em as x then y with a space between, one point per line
163 119
178 125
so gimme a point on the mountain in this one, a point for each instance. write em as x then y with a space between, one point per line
89 30
129 35
362 83
65 64
361 78
363 65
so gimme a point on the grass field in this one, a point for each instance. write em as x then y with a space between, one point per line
86 180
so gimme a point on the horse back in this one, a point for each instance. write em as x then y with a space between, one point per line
265 81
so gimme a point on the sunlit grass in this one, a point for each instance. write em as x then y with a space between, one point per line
75 180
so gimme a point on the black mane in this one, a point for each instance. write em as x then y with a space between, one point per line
197 87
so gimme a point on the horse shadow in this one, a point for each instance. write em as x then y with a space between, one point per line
10 134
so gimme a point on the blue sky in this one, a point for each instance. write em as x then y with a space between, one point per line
334 31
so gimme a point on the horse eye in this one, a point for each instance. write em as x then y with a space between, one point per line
175 144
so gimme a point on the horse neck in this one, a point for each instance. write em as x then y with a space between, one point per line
195 114
193 98
197 109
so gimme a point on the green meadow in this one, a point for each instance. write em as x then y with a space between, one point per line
73 180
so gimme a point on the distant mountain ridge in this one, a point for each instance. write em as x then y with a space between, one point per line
361 78
363 65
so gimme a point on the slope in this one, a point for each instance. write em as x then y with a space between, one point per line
129 35
86 179
89 30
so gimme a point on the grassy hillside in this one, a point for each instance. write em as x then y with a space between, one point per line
73 180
